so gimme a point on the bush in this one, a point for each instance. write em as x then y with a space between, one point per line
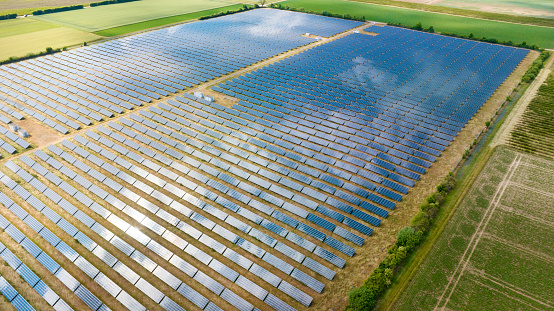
14 59
536 66
8 16
365 297
242 9
360 299
61 9
110 2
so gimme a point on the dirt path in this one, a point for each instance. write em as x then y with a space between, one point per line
514 117
509 287
476 237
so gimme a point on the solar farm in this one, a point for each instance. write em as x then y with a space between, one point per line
153 197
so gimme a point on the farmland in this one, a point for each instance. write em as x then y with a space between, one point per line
542 36
538 8
37 41
104 17
534 130
28 6
492 253
116 31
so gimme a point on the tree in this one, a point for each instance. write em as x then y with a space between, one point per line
49 50
418 26
431 29
361 299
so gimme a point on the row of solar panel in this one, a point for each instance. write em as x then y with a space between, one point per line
228 204
246 165
159 249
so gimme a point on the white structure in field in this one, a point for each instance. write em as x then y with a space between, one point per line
23 133
199 94
13 127
209 98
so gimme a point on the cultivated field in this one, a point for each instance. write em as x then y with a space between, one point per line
109 16
542 36
494 253
538 8
116 31
37 41
28 6
534 132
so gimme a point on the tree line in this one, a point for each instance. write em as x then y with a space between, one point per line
364 298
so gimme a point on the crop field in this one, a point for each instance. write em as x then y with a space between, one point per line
28 6
116 31
493 253
542 36
37 41
538 8
143 196
534 132
109 16
21 36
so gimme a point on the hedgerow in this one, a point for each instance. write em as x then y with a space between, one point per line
55 10
365 298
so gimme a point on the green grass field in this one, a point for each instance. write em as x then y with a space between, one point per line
116 31
14 27
37 41
109 16
542 36
494 253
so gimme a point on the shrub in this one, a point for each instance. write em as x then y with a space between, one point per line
360 299
365 297
109 2
8 16
61 9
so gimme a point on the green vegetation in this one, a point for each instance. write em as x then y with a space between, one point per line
110 2
8 16
60 9
21 26
365 297
223 13
481 14
117 31
14 59
110 16
501 31
508 255
537 65
535 131
21 44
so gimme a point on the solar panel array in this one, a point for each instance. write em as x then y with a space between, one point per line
195 205
389 104
74 89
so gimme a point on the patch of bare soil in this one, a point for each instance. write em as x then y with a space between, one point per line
39 134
